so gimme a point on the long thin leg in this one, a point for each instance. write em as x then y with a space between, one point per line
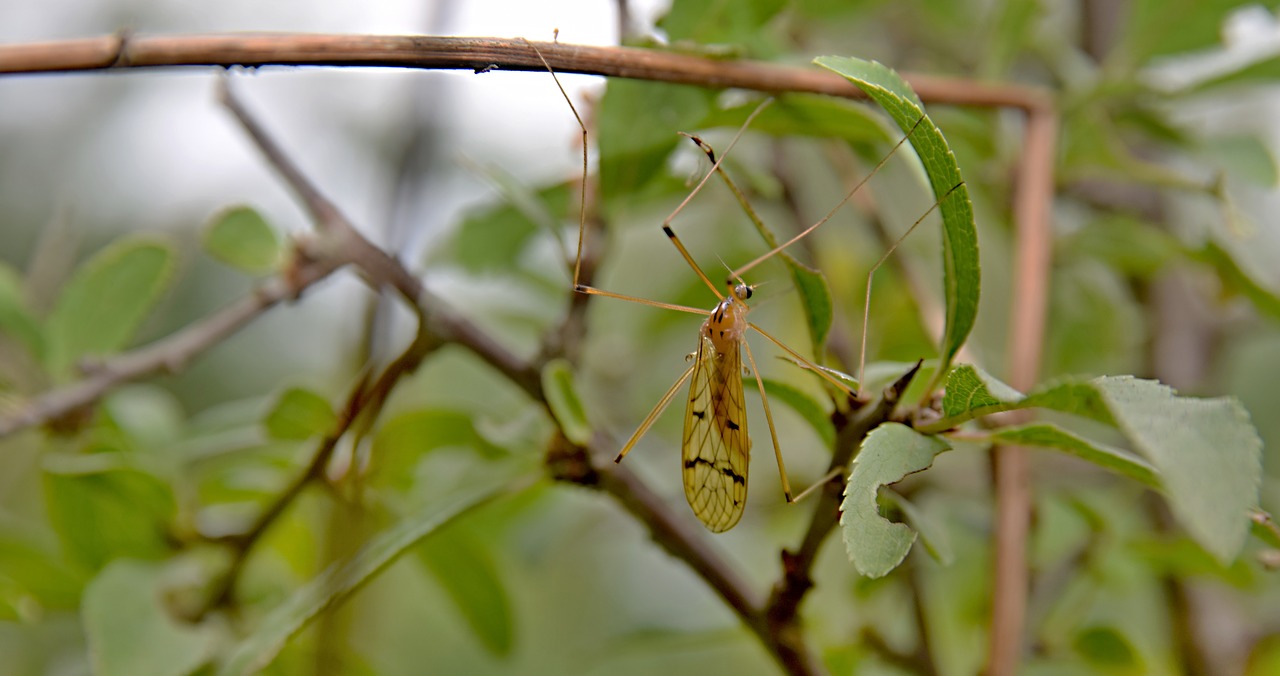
715 167
582 204
805 362
866 304
657 411
591 290
839 205
768 416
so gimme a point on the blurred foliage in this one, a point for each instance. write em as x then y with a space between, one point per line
118 523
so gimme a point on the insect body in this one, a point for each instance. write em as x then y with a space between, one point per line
716 447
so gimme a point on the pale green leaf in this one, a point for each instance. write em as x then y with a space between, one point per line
241 238
129 631
104 303
891 452
470 577
1207 451
566 405
299 414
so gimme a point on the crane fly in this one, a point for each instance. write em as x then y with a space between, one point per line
715 445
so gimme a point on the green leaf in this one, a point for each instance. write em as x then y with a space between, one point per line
800 402
106 300
401 442
1207 451
638 121
566 405
129 631
961 278
103 509
1245 156
724 23
1235 278
891 452
339 581
468 574
970 389
241 238
492 239
1165 27
15 319
1106 647
1046 435
299 414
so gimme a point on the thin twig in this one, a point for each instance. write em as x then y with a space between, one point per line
168 355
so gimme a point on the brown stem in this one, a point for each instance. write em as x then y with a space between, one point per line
1010 576
477 54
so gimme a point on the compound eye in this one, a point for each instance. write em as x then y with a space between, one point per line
743 291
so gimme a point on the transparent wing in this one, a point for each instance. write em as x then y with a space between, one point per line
716 445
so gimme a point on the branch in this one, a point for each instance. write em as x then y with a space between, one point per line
1010 576
475 54
168 355
784 602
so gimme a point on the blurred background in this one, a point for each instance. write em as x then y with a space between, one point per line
1167 265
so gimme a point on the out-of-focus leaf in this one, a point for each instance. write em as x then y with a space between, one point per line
566 405
34 569
129 631
723 23
1106 648
241 238
1125 243
1158 28
1245 156
299 414
891 452
805 115
802 403
103 509
638 125
1264 659
106 300
1235 278
401 442
933 535
15 320
337 583
492 239
468 574
1097 325
961 278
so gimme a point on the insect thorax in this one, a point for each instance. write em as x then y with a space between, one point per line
727 323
